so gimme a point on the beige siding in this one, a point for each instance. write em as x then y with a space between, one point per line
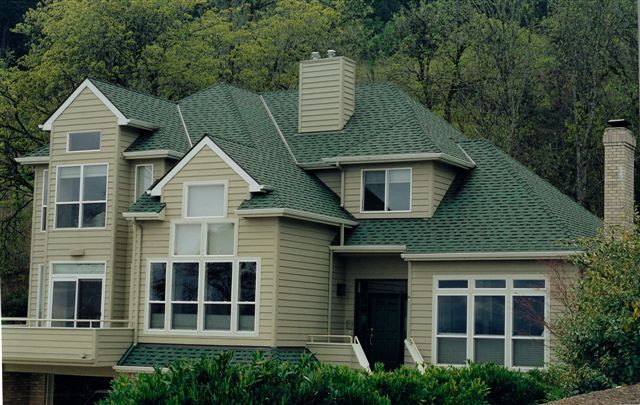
338 354
331 178
327 94
338 311
256 238
422 174
421 292
85 113
303 280
442 178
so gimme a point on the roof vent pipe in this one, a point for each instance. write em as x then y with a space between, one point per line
331 53
315 55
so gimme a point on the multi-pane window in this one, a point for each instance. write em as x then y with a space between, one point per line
205 295
386 190
204 200
81 196
144 179
83 141
207 238
491 320
45 199
76 294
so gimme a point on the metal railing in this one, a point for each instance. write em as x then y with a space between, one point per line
65 323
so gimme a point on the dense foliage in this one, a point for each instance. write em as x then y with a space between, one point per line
537 77
217 380
599 338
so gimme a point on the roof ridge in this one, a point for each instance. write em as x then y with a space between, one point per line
221 83
131 90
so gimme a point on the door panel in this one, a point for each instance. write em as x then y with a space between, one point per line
89 301
63 304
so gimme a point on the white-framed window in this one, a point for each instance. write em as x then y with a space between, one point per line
45 199
386 190
144 179
76 294
205 199
85 141
495 319
211 296
210 238
81 196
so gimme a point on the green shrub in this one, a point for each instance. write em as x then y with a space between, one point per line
217 380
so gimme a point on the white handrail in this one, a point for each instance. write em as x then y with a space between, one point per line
415 354
360 355
46 322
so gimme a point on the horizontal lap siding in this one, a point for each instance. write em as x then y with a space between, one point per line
442 178
38 242
331 179
421 293
303 279
421 189
85 113
338 310
256 238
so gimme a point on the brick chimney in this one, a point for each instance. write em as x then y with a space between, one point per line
619 148
326 92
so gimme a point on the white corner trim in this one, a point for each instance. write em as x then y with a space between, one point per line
153 154
402 157
273 120
137 369
296 214
186 131
144 216
254 187
368 249
32 159
490 256
122 120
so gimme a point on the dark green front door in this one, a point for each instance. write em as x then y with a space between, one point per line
381 307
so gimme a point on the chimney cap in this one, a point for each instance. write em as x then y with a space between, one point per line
618 123
331 53
315 55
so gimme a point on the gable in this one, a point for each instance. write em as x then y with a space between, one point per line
206 146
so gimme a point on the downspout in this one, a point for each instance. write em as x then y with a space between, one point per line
330 291
341 185
134 304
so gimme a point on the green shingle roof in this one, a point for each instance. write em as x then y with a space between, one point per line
147 203
385 121
169 136
42 151
500 206
155 355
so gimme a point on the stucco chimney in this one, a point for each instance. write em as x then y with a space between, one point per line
326 93
619 148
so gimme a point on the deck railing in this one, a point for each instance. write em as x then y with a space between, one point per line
64 323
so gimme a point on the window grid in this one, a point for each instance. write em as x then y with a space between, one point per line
471 292
386 189
81 202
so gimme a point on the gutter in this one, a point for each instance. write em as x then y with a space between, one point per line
490 256
368 249
142 216
406 157
132 122
153 154
32 159
137 369
296 214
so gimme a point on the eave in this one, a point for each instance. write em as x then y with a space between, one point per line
404 157
295 214
368 249
461 256
153 154
32 160
144 216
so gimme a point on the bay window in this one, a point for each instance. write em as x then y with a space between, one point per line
76 294
386 190
491 320
215 296
81 196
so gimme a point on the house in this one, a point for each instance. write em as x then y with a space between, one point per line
348 221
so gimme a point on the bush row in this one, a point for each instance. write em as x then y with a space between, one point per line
217 380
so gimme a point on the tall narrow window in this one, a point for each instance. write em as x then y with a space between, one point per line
184 300
144 178
247 296
83 141
528 331
76 294
157 294
386 190
45 200
81 196
489 329
452 329
217 300
205 200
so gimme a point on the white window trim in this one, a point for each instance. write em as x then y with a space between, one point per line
81 202
509 292
85 150
39 292
386 190
203 237
199 331
185 196
69 277
135 179
45 201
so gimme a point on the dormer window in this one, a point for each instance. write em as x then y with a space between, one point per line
83 141
386 190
